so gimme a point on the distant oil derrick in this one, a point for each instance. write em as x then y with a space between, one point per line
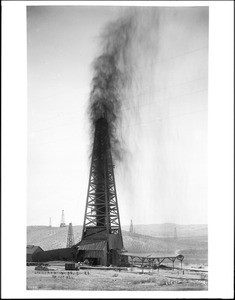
70 238
175 234
62 223
131 230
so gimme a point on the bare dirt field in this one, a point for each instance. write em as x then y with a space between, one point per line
114 280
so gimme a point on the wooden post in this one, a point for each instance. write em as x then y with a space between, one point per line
142 265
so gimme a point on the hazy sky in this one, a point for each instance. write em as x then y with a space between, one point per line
166 179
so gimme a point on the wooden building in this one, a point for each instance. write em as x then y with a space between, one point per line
31 250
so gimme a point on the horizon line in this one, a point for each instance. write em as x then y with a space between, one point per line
138 224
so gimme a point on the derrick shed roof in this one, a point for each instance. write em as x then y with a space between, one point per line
92 245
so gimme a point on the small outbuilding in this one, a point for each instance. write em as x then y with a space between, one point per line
31 251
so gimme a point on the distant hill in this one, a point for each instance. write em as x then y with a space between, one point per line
193 246
169 229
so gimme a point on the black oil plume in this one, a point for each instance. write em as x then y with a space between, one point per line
123 46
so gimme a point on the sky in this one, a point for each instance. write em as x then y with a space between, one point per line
165 179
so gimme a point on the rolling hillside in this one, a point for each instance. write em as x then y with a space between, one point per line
168 230
193 247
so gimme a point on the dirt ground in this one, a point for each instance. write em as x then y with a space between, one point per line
114 280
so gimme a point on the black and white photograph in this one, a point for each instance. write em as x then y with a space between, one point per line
117 137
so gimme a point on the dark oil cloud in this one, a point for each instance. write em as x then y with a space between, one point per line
126 46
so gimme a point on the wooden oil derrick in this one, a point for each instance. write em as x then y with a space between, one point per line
101 221
70 237
62 223
131 230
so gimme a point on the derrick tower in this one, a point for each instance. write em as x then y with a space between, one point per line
70 237
175 233
62 222
131 230
101 235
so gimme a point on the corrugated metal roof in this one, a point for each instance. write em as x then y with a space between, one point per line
31 249
92 245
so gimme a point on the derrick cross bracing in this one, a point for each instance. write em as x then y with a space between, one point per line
150 261
101 212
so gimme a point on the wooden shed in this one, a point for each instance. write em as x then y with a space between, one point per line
93 250
31 251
